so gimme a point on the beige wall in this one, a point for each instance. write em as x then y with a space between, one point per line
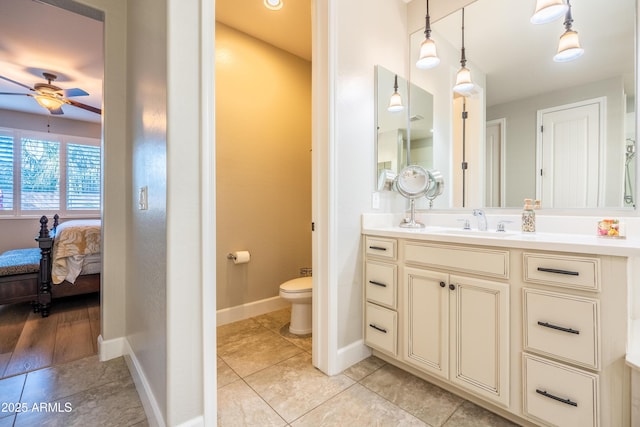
263 162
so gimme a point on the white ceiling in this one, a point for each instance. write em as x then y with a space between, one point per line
37 37
517 55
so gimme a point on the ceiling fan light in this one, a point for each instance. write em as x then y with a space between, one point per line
49 102
463 81
428 55
548 10
569 47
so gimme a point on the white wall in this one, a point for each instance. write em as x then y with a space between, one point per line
146 303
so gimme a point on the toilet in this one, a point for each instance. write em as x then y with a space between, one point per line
298 293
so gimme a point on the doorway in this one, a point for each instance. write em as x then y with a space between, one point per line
569 155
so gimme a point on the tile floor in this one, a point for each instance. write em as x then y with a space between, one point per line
84 393
265 378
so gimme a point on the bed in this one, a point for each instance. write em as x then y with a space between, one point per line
65 263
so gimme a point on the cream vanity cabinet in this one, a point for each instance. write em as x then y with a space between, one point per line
571 369
456 326
538 336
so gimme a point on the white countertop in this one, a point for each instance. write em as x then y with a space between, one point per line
582 243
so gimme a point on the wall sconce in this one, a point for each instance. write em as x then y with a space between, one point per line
463 78
548 10
395 102
428 55
569 45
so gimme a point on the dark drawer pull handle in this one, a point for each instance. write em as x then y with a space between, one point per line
377 248
559 399
559 328
377 328
377 283
554 270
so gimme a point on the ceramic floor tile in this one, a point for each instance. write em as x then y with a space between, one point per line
231 332
275 320
239 405
64 380
257 351
424 400
366 367
112 404
294 387
470 415
10 392
225 374
357 406
302 341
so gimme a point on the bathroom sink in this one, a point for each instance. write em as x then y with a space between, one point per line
475 233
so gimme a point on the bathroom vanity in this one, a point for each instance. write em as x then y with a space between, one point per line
533 327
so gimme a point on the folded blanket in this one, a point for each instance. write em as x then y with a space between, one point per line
73 240
20 261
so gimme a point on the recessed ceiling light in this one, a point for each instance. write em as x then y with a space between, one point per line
273 4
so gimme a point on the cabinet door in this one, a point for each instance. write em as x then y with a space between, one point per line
426 320
480 337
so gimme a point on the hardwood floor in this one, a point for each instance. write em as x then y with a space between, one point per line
29 342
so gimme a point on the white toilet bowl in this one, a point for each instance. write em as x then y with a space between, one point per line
298 292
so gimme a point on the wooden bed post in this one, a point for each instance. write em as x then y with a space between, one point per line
45 241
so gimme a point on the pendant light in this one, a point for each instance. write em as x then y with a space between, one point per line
548 10
395 102
569 46
463 78
428 55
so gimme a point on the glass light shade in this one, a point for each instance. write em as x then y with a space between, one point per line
49 102
548 10
395 103
463 81
568 47
428 55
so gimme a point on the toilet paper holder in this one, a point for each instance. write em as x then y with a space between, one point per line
239 257
231 256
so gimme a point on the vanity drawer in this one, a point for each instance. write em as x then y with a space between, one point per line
488 262
559 395
381 247
562 326
560 270
381 283
381 328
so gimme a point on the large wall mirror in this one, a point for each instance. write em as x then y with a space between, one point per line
399 131
564 132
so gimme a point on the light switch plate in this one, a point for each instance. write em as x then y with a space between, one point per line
143 198
375 200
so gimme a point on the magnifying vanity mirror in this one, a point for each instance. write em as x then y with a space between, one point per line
561 132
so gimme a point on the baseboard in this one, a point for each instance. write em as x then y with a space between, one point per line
251 309
149 402
110 349
352 354
195 422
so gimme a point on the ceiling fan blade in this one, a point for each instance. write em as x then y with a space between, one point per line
13 93
84 106
15 82
74 92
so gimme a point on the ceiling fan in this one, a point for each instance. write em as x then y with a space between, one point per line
52 97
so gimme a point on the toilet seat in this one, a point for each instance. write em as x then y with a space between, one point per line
298 285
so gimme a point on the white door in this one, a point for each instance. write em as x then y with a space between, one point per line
493 162
569 155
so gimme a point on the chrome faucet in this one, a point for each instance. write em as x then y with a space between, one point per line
482 219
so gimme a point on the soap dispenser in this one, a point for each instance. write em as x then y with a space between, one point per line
528 217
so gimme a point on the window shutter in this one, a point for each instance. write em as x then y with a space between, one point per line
6 172
83 177
40 175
